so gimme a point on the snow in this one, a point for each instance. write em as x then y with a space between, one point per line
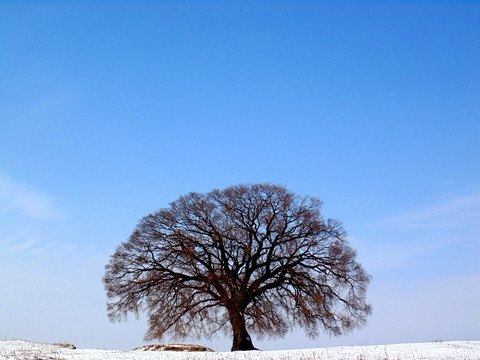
449 350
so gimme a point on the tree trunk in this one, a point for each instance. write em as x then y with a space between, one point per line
241 338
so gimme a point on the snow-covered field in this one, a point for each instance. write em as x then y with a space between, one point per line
451 350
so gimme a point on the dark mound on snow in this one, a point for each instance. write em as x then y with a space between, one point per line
173 347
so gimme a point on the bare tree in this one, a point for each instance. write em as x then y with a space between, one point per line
254 257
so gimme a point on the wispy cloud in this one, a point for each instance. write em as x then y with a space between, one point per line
29 201
22 240
395 242
388 255
32 222
461 212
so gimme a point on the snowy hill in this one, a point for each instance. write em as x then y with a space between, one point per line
452 350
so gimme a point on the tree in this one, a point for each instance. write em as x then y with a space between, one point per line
254 257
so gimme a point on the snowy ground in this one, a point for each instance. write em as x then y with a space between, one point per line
454 350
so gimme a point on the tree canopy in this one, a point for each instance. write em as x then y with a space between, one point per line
249 258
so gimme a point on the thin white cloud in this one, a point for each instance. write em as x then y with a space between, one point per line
395 242
385 256
460 212
31 222
20 244
30 202
26 239
29 243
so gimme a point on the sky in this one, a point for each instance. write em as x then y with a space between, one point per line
110 110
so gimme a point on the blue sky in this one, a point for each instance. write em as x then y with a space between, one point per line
110 110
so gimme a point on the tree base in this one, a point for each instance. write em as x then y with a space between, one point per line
243 343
